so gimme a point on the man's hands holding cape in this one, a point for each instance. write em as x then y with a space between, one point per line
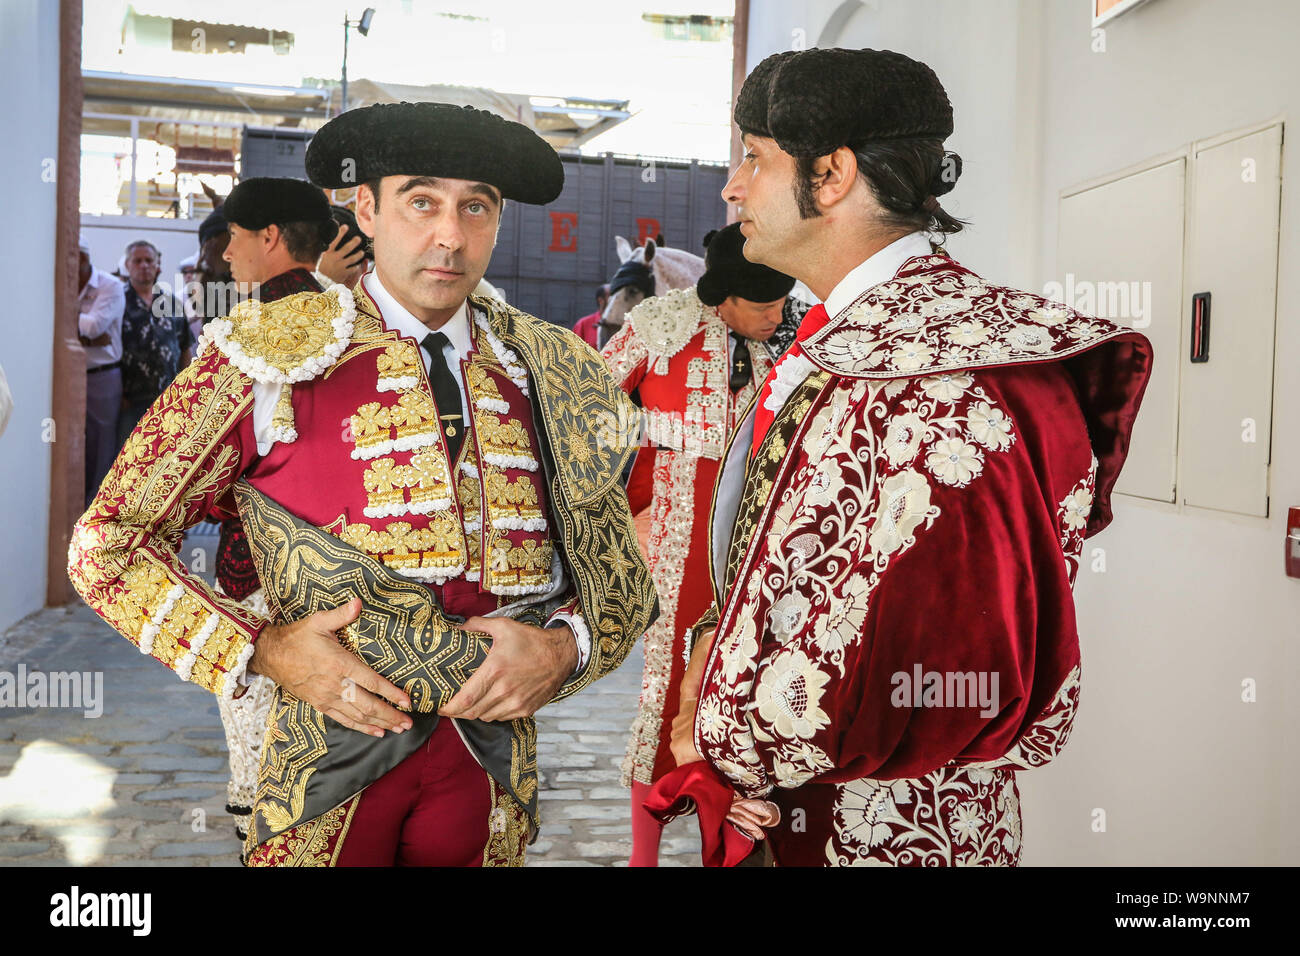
524 669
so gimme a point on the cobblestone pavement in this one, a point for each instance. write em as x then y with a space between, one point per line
145 783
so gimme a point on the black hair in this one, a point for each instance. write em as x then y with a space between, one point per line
906 177
305 240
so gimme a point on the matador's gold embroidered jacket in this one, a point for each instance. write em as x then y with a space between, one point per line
531 517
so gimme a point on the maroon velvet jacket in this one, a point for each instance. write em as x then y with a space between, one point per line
896 633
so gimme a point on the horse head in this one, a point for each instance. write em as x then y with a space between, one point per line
652 269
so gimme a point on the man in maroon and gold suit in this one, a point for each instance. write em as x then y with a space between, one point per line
897 525
278 229
695 357
430 485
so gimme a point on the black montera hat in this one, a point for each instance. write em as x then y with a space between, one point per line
812 102
256 203
435 139
728 272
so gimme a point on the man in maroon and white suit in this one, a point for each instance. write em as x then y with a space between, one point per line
897 525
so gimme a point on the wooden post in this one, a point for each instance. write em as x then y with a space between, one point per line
68 451
739 53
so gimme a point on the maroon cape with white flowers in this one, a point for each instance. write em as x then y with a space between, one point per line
909 533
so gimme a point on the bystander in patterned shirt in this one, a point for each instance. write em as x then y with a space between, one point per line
154 337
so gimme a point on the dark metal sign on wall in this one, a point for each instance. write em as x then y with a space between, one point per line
550 259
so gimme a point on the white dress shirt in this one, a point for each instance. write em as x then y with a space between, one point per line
399 319
101 305
877 268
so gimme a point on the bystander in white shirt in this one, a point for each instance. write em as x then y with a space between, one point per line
101 305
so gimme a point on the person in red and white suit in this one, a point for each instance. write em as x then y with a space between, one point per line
695 357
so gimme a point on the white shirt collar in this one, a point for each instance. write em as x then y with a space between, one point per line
396 317
878 268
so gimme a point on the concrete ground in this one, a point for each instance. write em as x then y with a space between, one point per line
144 784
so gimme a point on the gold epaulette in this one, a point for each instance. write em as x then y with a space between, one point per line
294 339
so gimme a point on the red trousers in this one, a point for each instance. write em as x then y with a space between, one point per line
432 809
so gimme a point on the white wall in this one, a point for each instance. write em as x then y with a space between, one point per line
1192 602
974 49
29 65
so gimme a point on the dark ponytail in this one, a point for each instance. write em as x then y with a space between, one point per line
905 175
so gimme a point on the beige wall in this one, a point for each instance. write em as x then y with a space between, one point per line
1191 602
29 70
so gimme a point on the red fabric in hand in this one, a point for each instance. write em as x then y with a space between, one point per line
698 786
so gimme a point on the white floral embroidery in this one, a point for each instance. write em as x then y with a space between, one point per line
968 332
950 817
944 307
1076 507
903 438
1084 331
954 461
1029 338
990 426
943 312
870 313
796 762
904 504
845 619
869 808
789 693
910 356
787 615
947 387
1051 313
907 322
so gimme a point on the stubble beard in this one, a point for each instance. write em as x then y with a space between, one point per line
432 293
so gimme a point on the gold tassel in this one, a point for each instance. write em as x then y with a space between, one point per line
282 425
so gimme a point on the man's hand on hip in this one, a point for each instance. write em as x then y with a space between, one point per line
524 669
306 659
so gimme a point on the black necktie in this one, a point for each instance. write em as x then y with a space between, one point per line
446 395
741 370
